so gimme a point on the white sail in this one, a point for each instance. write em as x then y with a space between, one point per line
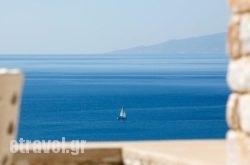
124 114
121 113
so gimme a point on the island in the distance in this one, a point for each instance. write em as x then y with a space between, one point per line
209 44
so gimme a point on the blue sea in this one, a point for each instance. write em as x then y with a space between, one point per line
80 96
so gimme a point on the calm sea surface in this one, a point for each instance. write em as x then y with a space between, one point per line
79 97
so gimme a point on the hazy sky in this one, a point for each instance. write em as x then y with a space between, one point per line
94 26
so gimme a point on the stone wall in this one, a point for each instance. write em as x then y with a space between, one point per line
238 106
91 156
10 91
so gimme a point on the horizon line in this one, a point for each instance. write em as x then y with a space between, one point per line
114 50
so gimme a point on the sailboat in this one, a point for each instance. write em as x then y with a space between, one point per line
122 115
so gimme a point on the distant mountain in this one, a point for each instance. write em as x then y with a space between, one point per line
209 44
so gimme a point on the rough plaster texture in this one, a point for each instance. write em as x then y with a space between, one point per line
10 91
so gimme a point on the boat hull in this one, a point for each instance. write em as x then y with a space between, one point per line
121 118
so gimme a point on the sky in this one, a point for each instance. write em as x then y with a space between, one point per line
99 26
